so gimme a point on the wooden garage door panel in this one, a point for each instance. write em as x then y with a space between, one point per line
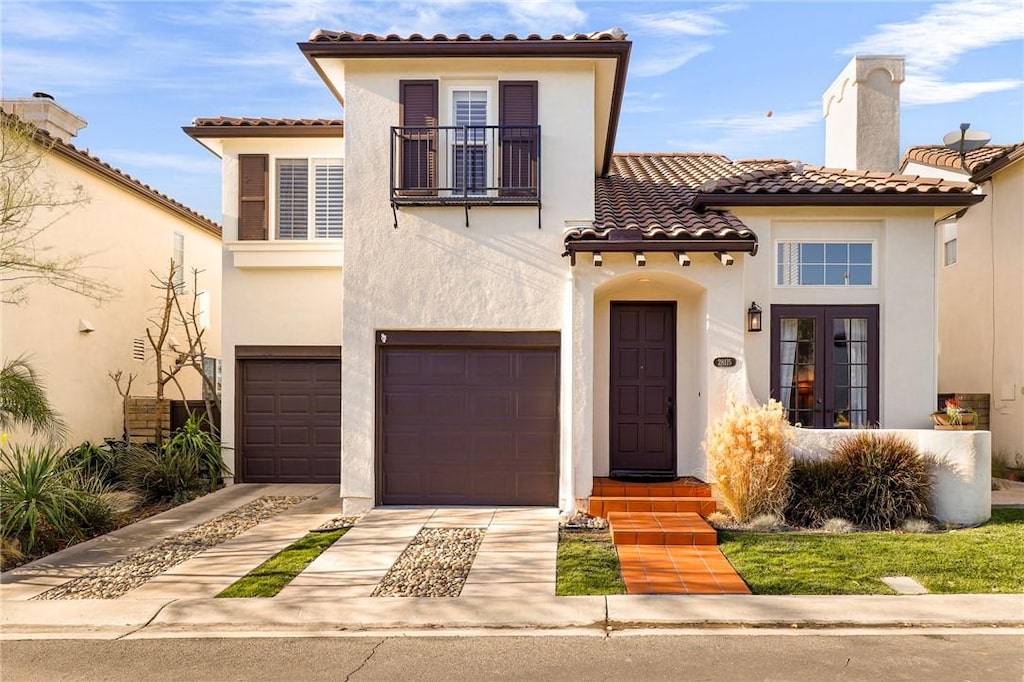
469 426
290 421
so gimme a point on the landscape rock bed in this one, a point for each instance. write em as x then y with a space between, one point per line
336 523
110 582
435 564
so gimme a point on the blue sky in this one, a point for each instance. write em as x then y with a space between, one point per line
703 75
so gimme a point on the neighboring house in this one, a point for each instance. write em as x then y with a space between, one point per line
123 230
514 309
981 284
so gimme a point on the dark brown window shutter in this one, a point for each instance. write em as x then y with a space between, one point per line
253 181
517 106
418 102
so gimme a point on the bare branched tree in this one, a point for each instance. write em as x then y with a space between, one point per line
30 204
125 393
173 316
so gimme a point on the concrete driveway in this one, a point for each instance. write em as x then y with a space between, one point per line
515 558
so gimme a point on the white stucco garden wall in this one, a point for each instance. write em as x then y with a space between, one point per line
433 272
286 293
960 462
122 237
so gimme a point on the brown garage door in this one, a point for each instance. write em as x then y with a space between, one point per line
290 430
469 424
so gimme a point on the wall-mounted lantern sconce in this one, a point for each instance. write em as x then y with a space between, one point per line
754 318
640 258
598 259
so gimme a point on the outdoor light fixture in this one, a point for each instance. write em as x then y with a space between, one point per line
683 259
754 317
724 257
598 259
640 258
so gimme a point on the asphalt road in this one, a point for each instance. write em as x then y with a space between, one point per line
650 655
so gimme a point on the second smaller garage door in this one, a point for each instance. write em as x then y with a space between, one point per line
290 421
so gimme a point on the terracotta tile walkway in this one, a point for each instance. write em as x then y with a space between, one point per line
664 544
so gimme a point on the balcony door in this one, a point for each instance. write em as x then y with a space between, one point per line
469 148
825 365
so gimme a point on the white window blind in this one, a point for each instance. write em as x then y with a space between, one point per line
292 198
179 262
329 209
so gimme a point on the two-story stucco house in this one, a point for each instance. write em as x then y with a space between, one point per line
122 231
981 284
506 308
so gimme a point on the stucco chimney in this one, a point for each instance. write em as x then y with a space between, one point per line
43 112
862 115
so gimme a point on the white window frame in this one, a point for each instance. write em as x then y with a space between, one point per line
807 240
446 163
950 235
311 164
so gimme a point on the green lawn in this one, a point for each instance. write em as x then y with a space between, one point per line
270 577
587 564
980 560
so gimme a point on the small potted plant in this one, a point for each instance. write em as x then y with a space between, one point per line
955 417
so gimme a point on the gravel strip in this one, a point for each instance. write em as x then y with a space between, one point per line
435 564
110 582
336 523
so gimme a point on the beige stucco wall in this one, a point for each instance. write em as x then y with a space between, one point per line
286 293
981 308
433 272
903 290
123 237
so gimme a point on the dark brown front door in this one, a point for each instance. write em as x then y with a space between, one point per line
290 412
643 387
468 418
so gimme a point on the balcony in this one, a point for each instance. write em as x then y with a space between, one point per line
465 166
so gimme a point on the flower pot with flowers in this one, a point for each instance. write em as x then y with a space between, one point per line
955 417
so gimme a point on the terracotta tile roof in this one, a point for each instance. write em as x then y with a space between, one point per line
978 161
325 36
665 196
774 183
86 160
648 196
943 157
232 122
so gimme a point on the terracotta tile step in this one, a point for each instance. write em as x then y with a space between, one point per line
674 569
602 506
684 487
660 528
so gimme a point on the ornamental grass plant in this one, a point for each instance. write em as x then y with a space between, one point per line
748 457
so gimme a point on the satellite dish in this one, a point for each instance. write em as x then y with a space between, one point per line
964 140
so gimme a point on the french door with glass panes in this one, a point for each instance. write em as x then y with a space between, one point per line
825 364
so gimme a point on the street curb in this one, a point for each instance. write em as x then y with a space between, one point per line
153 618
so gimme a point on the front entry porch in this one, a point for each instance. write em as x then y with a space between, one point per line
664 543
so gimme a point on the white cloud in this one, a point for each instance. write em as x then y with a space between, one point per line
31 21
934 42
660 63
685 22
532 12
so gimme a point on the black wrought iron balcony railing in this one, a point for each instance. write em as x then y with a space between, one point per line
456 165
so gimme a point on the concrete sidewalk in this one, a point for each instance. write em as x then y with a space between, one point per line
198 617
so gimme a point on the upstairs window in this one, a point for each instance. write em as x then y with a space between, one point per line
308 198
842 264
297 200
469 143
949 236
179 263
